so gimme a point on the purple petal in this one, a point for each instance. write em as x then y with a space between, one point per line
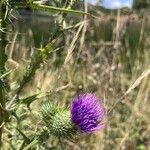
87 112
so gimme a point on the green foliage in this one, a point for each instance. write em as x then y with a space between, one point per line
138 4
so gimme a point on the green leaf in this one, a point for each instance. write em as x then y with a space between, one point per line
28 100
31 145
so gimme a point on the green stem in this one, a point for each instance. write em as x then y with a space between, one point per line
35 64
3 40
31 145
53 9
31 69
3 58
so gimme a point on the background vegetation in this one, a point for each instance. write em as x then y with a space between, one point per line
53 54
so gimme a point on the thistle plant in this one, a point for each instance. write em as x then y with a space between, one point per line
56 119
86 114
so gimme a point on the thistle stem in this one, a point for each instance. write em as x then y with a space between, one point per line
3 59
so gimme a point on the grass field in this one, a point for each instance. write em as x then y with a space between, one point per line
109 57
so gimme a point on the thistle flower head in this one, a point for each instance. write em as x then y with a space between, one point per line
87 113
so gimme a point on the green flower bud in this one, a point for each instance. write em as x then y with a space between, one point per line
61 125
57 120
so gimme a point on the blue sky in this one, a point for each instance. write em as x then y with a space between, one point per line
112 4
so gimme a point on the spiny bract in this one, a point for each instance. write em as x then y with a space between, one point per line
57 120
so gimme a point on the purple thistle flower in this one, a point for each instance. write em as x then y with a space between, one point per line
87 113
